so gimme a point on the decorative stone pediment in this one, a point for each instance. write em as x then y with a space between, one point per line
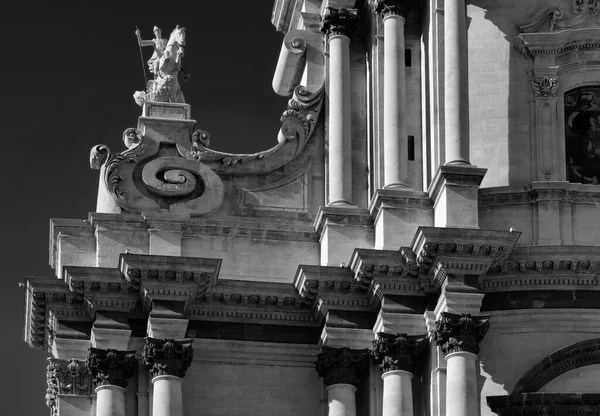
581 14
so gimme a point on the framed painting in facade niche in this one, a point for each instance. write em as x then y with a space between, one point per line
582 135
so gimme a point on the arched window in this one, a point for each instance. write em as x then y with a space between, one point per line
582 134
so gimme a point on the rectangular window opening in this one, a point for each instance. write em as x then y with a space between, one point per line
411 147
407 57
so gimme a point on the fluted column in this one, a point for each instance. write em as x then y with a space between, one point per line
456 70
111 369
396 356
459 337
341 369
338 26
168 361
395 136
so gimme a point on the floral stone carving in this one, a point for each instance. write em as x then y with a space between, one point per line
66 377
456 333
397 351
341 365
111 367
167 356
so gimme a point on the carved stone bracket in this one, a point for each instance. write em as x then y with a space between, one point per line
111 367
394 7
66 377
167 356
341 365
339 22
455 333
397 351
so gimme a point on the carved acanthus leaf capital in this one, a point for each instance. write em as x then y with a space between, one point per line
111 367
456 333
339 22
66 377
397 351
545 86
167 356
394 7
341 365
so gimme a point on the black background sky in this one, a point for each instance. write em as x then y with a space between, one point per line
68 72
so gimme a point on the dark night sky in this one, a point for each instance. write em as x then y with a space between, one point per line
68 78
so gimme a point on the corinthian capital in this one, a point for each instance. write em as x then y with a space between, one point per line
455 333
341 365
111 367
66 377
339 22
397 352
394 7
167 356
545 86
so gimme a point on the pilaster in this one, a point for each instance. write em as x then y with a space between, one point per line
69 390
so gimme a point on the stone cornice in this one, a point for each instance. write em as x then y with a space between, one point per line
455 333
167 356
545 404
397 351
111 367
339 22
399 199
459 251
341 365
339 215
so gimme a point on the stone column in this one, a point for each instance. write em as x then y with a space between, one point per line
111 369
341 369
396 357
456 70
459 337
71 383
395 136
168 361
338 26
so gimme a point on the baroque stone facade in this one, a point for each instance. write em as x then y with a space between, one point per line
428 209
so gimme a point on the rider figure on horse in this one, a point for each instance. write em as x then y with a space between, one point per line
159 44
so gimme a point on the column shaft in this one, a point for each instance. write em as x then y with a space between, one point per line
340 151
395 137
167 399
397 393
110 400
461 384
456 66
341 400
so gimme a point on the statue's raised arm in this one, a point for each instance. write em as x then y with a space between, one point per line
164 64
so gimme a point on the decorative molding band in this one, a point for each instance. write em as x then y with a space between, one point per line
545 404
341 365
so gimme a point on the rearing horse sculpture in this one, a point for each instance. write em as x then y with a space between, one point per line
165 86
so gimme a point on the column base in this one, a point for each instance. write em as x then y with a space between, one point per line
397 213
455 192
341 230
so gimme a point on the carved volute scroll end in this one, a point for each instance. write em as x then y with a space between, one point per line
111 367
397 351
456 333
542 21
132 137
545 87
167 356
549 19
99 155
341 22
341 365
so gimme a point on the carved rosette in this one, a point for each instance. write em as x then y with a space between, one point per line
456 333
111 367
394 7
167 356
339 22
341 365
545 87
66 377
397 351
